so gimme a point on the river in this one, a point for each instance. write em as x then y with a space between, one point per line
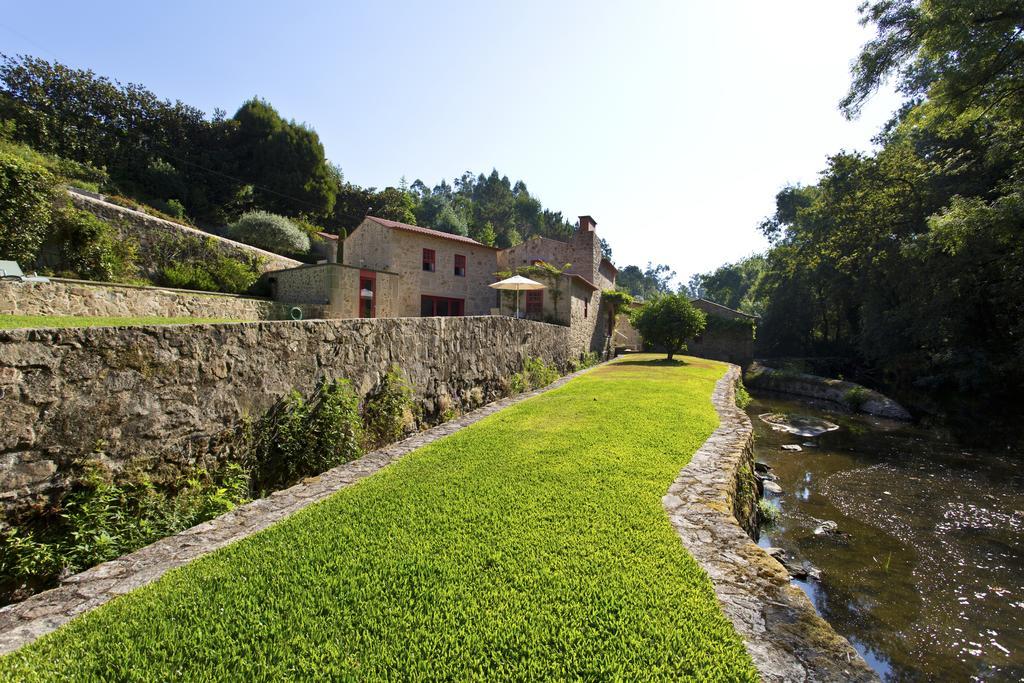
926 573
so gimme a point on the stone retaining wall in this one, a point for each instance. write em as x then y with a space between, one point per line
848 394
79 297
711 504
150 231
23 622
166 395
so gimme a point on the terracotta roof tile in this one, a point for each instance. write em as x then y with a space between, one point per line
395 225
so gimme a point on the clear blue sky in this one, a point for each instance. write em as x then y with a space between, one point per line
673 123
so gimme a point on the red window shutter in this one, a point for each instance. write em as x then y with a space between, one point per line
460 265
535 301
429 260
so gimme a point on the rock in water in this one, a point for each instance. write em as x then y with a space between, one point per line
791 447
772 488
800 425
828 527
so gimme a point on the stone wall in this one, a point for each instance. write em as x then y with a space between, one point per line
712 506
150 231
165 395
82 298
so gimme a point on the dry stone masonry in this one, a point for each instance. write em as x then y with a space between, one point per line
711 505
164 396
23 622
81 298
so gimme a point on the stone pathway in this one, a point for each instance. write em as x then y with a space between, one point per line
783 633
23 622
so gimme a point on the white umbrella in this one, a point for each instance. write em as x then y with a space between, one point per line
517 283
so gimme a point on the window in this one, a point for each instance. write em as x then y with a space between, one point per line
429 260
460 265
367 294
535 302
586 307
441 305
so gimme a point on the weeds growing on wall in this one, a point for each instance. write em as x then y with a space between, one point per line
301 438
103 517
193 263
536 374
389 411
742 395
586 360
767 514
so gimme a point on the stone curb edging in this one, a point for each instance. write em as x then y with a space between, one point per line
23 622
780 628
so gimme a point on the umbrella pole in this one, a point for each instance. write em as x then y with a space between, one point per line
517 303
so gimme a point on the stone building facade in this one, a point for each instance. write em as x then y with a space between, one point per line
574 298
440 274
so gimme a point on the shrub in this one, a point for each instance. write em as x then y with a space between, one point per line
91 249
536 374
271 232
300 438
586 360
388 412
102 518
855 398
27 195
668 322
742 395
767 514
192 263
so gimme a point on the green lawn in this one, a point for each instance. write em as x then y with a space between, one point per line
530 546
11 322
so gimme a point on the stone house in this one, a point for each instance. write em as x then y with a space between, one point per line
441 274
391 269
574 297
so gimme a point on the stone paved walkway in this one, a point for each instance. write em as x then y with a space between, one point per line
23 622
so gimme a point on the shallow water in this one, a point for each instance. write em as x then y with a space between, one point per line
926 577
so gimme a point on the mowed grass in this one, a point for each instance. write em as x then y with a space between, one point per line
530 546
12 322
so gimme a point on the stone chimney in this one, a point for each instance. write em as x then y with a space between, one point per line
587 224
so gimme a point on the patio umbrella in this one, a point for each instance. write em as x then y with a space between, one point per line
517 283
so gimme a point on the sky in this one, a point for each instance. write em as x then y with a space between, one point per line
672 123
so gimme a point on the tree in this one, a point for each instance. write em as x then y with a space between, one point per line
648 283
606 249
283 160
449 221
669 322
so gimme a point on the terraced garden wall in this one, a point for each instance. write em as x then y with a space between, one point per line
64 297
166 395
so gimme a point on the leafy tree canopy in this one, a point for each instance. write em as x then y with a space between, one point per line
668 322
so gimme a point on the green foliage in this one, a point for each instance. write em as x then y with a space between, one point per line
487 538
617 300
767 514
733 285
283 156
103 517
668 322
586 360
190 262
271 232
647 284
301 438
742 395
92 249
389 411
534 375
27 195
855 398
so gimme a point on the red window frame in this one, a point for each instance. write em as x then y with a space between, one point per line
431 306
535 302
460 265
586 307
367 308
429 260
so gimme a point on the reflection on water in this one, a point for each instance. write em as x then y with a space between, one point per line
926 574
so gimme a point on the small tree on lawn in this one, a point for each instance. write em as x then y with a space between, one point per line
669 321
